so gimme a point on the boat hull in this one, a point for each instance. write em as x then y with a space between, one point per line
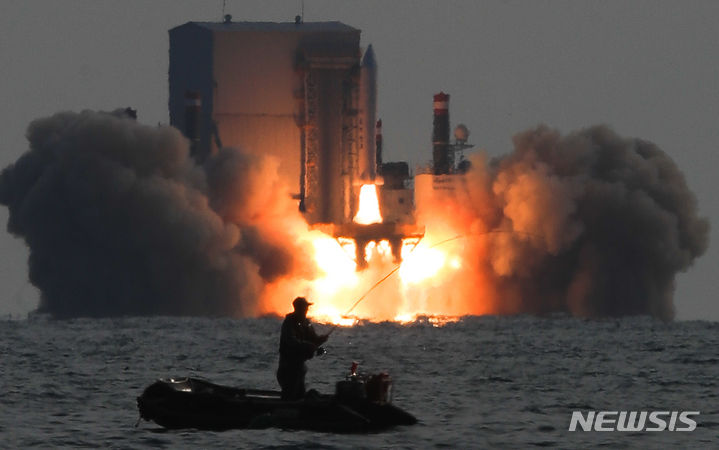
195 403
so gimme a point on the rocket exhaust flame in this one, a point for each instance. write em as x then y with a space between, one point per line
119 220
368 211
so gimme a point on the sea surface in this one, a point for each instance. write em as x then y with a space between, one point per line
480 382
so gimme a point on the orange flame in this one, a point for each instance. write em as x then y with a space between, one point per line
368 211
436 282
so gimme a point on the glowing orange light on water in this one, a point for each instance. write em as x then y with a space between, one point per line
404 318
368 211
436 321
330 314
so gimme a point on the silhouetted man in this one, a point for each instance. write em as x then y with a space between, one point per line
298 343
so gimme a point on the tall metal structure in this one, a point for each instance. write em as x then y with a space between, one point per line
303 93
441 155
288 90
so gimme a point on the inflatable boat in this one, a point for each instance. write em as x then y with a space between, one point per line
358 405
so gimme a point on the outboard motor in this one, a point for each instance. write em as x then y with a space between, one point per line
352 388
379 388
356 388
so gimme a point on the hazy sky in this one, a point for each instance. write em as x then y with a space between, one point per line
647 69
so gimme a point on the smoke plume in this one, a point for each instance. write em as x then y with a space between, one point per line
119 220
590 223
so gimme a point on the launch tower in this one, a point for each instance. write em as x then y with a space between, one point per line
302 92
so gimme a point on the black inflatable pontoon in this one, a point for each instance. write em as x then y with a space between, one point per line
195 403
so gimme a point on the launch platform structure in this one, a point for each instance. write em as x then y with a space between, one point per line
301 92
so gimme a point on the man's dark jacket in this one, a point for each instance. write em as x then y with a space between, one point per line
298 342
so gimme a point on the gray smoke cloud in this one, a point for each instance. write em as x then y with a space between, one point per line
120 221
600 225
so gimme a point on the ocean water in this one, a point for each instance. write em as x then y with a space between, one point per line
481 382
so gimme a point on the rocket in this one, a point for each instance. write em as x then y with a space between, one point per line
368 111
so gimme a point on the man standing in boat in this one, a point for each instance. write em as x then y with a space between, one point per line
298 343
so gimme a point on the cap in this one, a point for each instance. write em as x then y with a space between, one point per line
300 301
